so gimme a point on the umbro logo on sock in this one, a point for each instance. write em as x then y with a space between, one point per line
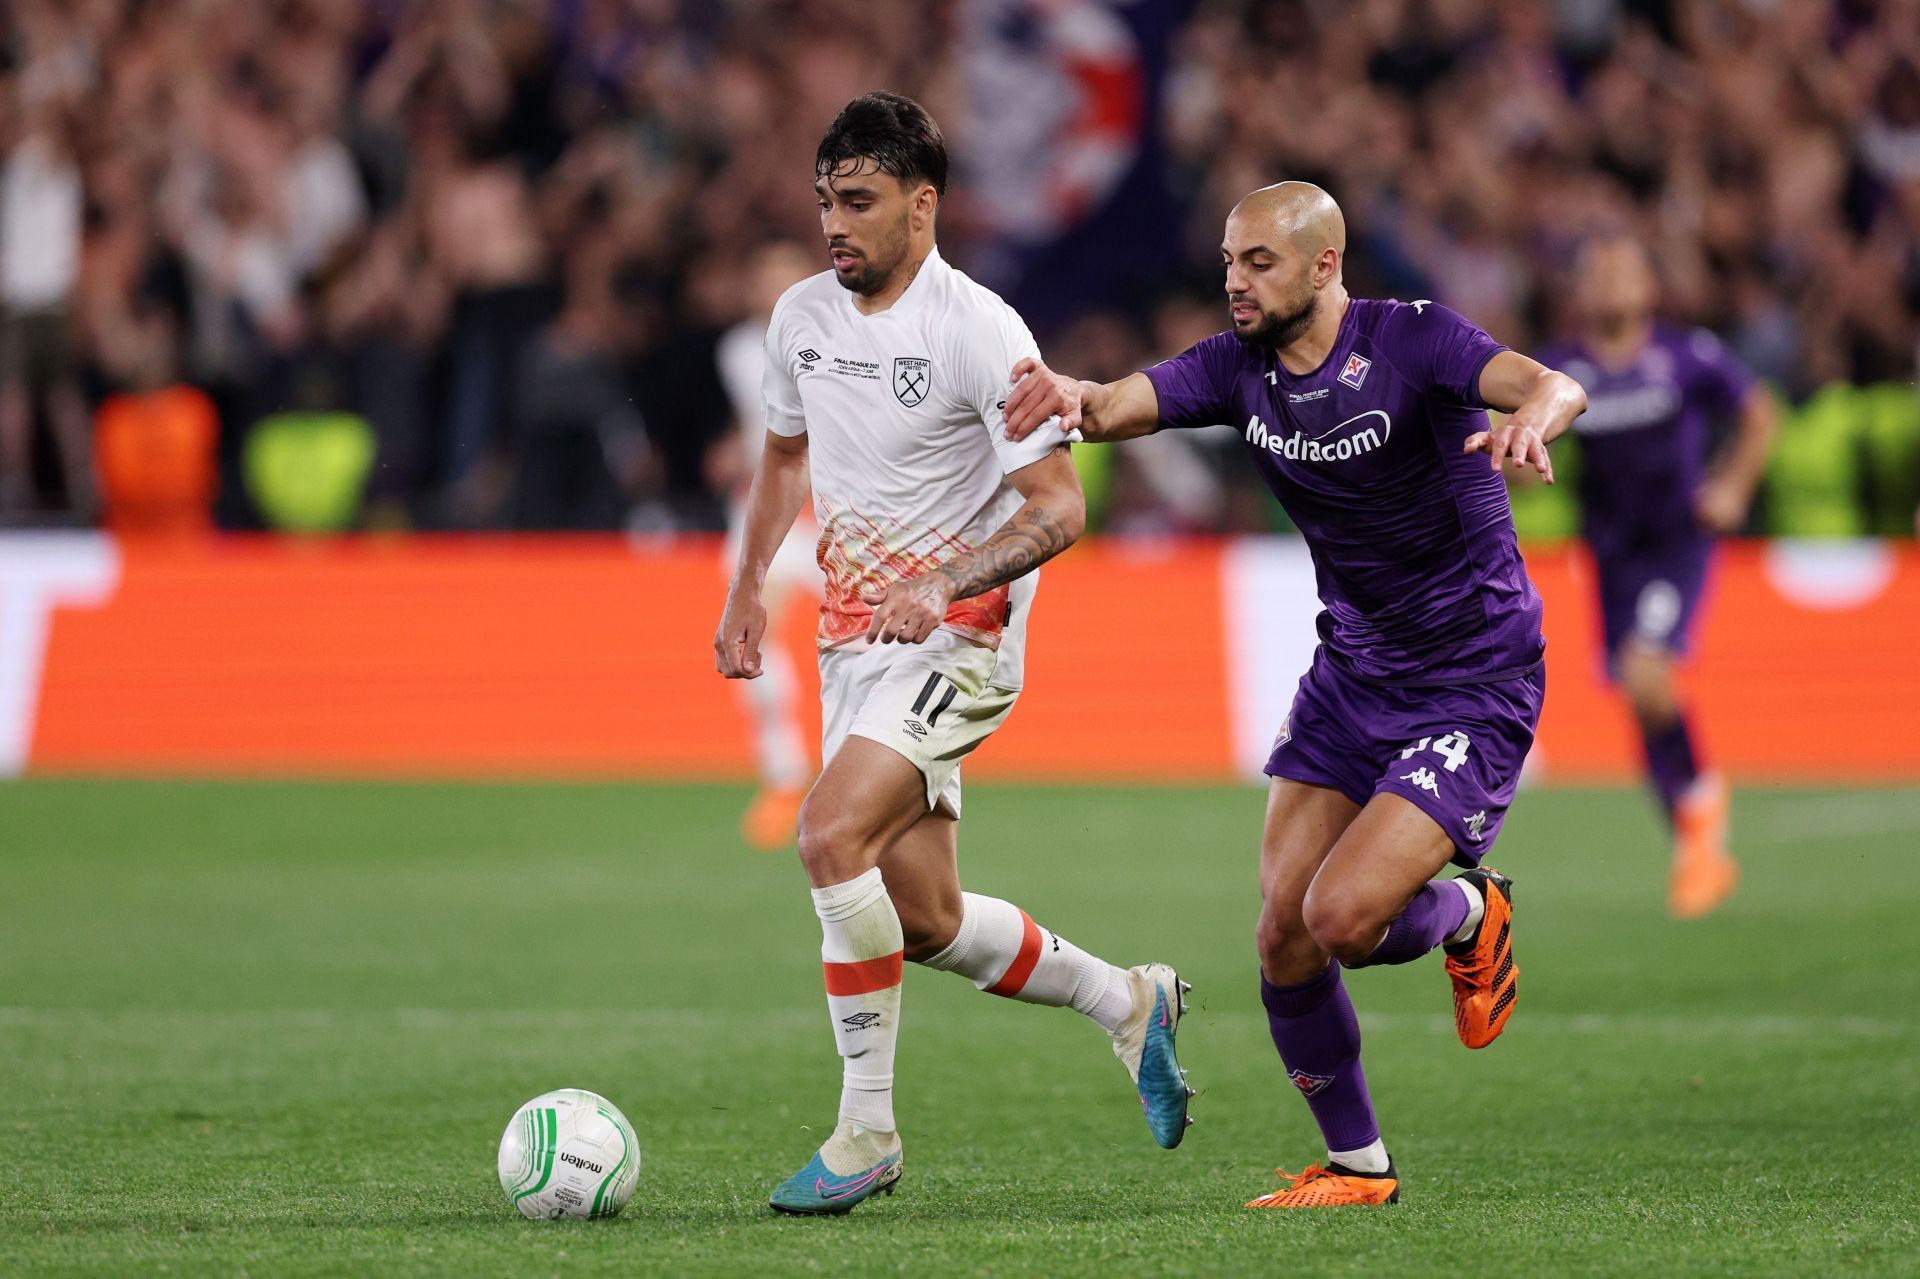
860 1021
1308 1084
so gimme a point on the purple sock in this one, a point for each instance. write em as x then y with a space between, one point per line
1318 1037
1435 914
1670 761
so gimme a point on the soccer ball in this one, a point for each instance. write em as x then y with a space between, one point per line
569 1153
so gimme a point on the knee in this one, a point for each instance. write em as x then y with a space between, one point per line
1288 953
832 848
1342 926
1647 681
1654 713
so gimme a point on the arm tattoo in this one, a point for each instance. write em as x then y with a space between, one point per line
1031 538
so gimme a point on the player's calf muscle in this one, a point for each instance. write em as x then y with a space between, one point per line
929 927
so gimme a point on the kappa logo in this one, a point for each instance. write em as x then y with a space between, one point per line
860 1021
1424 779
912 379
1309 1084
1355 373
1475 824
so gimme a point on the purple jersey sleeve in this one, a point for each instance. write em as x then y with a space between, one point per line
1194 387
1443 349
1719 380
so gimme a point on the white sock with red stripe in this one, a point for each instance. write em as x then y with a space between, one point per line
860 948
1004 952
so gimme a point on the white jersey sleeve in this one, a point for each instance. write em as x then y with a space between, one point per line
779 392
998 340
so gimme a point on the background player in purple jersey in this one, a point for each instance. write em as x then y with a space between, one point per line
1405 740
1654 496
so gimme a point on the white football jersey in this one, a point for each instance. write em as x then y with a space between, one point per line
905 414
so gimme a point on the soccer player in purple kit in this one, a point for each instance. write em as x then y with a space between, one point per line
1653 503
1404 743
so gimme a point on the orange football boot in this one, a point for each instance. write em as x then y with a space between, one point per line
772 818
1333 1187
1486 981
1704 872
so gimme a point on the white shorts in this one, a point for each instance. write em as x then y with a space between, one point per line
932 702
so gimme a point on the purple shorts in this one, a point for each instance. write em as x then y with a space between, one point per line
1454 752
1653 597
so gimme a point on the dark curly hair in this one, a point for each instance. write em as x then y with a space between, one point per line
892 131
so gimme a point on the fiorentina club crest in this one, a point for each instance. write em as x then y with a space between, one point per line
912 376
1356 371
1308 1084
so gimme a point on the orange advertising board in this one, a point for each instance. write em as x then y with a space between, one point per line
591 657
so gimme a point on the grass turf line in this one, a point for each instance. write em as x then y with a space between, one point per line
277 1029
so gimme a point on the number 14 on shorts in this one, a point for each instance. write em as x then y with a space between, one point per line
1452 747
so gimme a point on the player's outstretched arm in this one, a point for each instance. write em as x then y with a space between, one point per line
1099 411
1723 498
779 489
1047 523
1540 404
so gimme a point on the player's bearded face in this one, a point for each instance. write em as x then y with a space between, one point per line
868 220
1282 309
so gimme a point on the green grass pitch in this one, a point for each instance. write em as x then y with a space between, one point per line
252 1029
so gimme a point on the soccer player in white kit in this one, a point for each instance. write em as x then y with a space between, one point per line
887 380
793 578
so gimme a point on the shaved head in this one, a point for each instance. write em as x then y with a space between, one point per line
1298 212
1283 248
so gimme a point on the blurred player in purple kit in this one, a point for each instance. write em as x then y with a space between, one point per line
1654 500
1404 744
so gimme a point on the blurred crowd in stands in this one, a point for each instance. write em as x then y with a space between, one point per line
327 264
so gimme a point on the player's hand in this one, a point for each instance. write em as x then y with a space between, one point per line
1720 505
736 645
1038 394
1522 443
907 612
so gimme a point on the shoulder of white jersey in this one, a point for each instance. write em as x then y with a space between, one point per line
802 291
970 310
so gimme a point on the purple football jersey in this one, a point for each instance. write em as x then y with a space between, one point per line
1412 540
1645 436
